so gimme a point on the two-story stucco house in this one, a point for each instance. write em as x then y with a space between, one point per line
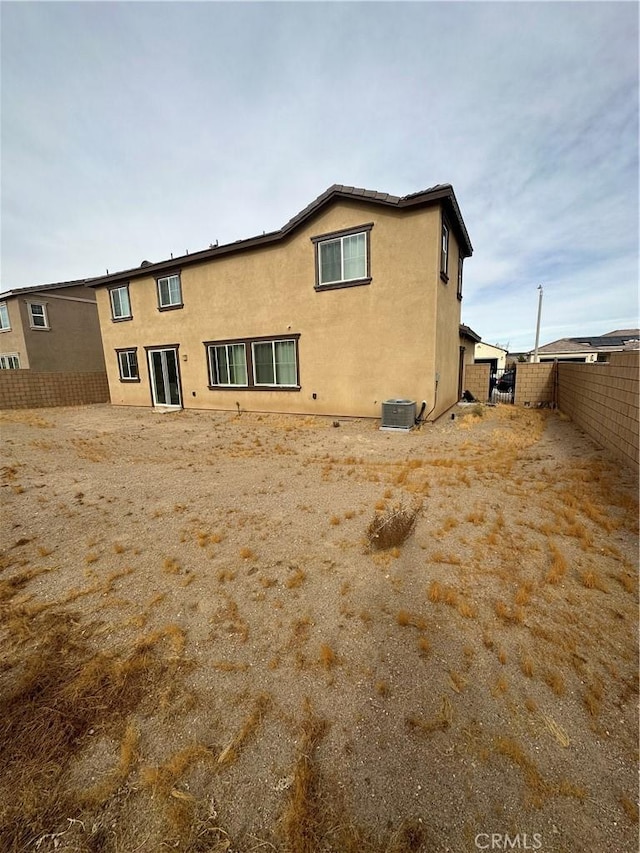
51 328
354 301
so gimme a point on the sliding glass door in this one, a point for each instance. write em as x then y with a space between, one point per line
164 377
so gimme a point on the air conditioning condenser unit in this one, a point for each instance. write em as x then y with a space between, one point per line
398 414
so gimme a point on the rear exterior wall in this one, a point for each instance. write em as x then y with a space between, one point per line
358 346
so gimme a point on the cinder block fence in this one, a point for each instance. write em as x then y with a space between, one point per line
603 400
25 389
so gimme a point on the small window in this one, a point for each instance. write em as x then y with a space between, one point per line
5 325
169 292
342 258
460 261
444 253
38 315
120 305
228 365
274 363
128 365
10 362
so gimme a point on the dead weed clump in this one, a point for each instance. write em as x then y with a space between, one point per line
392 527
302 817
62 691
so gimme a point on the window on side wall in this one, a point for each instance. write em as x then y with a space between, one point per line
460 261
444 253
343 257
5 325
38 315
11 361
120 304
169 292
128 365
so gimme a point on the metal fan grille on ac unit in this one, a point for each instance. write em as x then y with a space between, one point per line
398 414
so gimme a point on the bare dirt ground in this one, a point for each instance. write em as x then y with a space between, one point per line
202 651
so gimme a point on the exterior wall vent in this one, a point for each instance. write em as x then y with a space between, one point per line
398 414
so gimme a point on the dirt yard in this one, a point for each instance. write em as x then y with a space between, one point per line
203 651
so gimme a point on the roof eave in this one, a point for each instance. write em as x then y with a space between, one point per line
435 195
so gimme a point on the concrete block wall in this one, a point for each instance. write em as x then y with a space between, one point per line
535 384
476 380
603 400
26 389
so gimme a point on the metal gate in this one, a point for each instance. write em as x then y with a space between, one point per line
502 385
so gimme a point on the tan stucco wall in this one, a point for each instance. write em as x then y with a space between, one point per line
447 356
12 340
469 348
358 345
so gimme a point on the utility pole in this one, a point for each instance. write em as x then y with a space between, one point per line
535 352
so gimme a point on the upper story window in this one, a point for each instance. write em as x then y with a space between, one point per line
169 292
128 365
11 361
343 257
5 325
120 304
444 253
38 315
460 261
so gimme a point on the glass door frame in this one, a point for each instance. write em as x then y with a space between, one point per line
166 348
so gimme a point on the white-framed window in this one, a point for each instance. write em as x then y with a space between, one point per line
169 292
120 304
128 365
228 365
460 261
5 325
444 252
38 315
274 363
10 361
342 257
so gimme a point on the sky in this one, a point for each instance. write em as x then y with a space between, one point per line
131 131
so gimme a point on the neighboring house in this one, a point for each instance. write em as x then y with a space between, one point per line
491 354
50 328
589 348
354 301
